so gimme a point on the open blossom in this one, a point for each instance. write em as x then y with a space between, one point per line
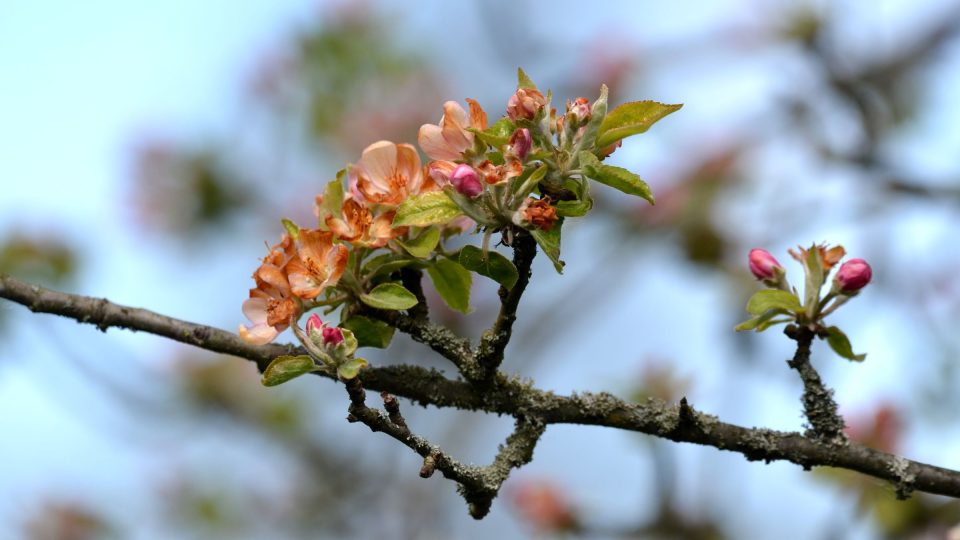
450 138
388 173
357 224
318 265
271 303
763 264
853 275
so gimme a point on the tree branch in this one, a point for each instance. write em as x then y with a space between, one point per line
478 485
821 410
439 338
494 341
679 423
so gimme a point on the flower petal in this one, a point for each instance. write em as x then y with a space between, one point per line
408 166
454 127
258 334
378 162
431 141
255 309
478 117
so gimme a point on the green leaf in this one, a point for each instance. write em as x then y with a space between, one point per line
284 368
351 368
468 206
840 344
292 228
524 184
452 282
498 134
615 177
574 208
369 332
423 245
386 263
333 196
350 343
762 322
549 242
814 278
389 296
427 209
630 119
583 202
523 81
495 266
773 299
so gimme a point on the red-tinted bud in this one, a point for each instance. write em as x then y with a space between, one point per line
314 324
853 275
466 181
332 336
520 143
763 264
525 104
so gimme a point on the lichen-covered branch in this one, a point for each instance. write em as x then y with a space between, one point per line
495 340
681 423
821 410
478 485
439 338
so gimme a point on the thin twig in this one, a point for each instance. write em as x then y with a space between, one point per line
821 410
478 485
494 341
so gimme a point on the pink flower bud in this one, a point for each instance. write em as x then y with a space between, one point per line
466 181
578 111
314 324
763 264
853 275
332 336
520 143
526 103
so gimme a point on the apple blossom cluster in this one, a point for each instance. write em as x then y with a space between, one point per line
782 303
523 174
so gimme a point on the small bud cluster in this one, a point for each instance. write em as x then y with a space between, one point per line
785 305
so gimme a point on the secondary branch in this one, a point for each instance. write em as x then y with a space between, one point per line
679 423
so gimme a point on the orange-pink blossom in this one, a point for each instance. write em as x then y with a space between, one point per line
271 303
318 265
388 174
450 138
